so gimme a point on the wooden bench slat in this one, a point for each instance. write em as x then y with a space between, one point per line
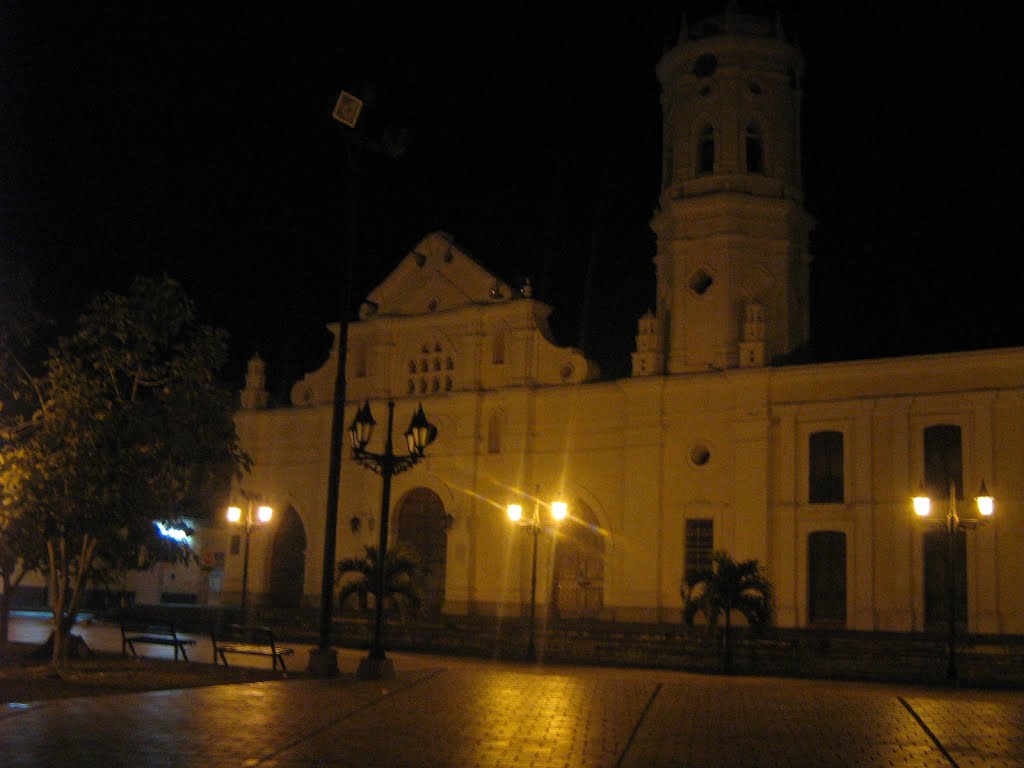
260 650
161 640
152 632
252 641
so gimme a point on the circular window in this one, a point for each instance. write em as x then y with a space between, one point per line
432 305
701 282
567 371
420 259
700 455
705 65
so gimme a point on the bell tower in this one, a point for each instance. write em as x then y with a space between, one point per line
731 228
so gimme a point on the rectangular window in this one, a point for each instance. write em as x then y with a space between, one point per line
825 484
943 461
236 544
700 542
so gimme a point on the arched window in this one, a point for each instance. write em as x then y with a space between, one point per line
425 366
706 150
755 149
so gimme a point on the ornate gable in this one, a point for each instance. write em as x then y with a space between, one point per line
441 323
435 276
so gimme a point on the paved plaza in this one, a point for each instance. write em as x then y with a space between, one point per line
455 712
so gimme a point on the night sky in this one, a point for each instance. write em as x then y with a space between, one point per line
196 140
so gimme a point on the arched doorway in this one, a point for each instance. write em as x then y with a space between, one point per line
578 585
422 525
288 564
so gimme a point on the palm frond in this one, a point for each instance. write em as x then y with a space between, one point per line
360 575
726 586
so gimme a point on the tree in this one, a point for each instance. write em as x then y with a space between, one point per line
19 556
20 323
402 569
132 428
726 586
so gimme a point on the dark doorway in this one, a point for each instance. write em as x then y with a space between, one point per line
422 524
936 578
826 576
288 564
578 588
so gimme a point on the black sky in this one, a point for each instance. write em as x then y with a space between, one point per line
196 140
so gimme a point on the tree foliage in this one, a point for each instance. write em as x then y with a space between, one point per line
20 323
724 587
402 571
132 427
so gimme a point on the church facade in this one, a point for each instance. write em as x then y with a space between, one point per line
711 444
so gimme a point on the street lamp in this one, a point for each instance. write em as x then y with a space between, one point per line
559 510
420 434
922 507
263 513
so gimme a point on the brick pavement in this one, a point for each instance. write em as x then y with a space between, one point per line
446 712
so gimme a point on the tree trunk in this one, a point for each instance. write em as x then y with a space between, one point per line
67 586
74 648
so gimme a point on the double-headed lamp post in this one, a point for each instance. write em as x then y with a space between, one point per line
559 510
262 515
420 434
985 506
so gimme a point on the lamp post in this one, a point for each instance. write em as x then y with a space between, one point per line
922 507
420 434
323 660
263 515
515 513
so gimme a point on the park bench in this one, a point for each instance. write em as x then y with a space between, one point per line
253 641
152 632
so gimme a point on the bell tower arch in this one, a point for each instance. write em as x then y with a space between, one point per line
731 228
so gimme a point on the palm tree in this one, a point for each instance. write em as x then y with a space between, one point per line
726 586
401 572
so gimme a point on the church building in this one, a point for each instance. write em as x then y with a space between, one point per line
713 442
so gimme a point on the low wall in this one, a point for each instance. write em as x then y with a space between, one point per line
896 657
983 661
